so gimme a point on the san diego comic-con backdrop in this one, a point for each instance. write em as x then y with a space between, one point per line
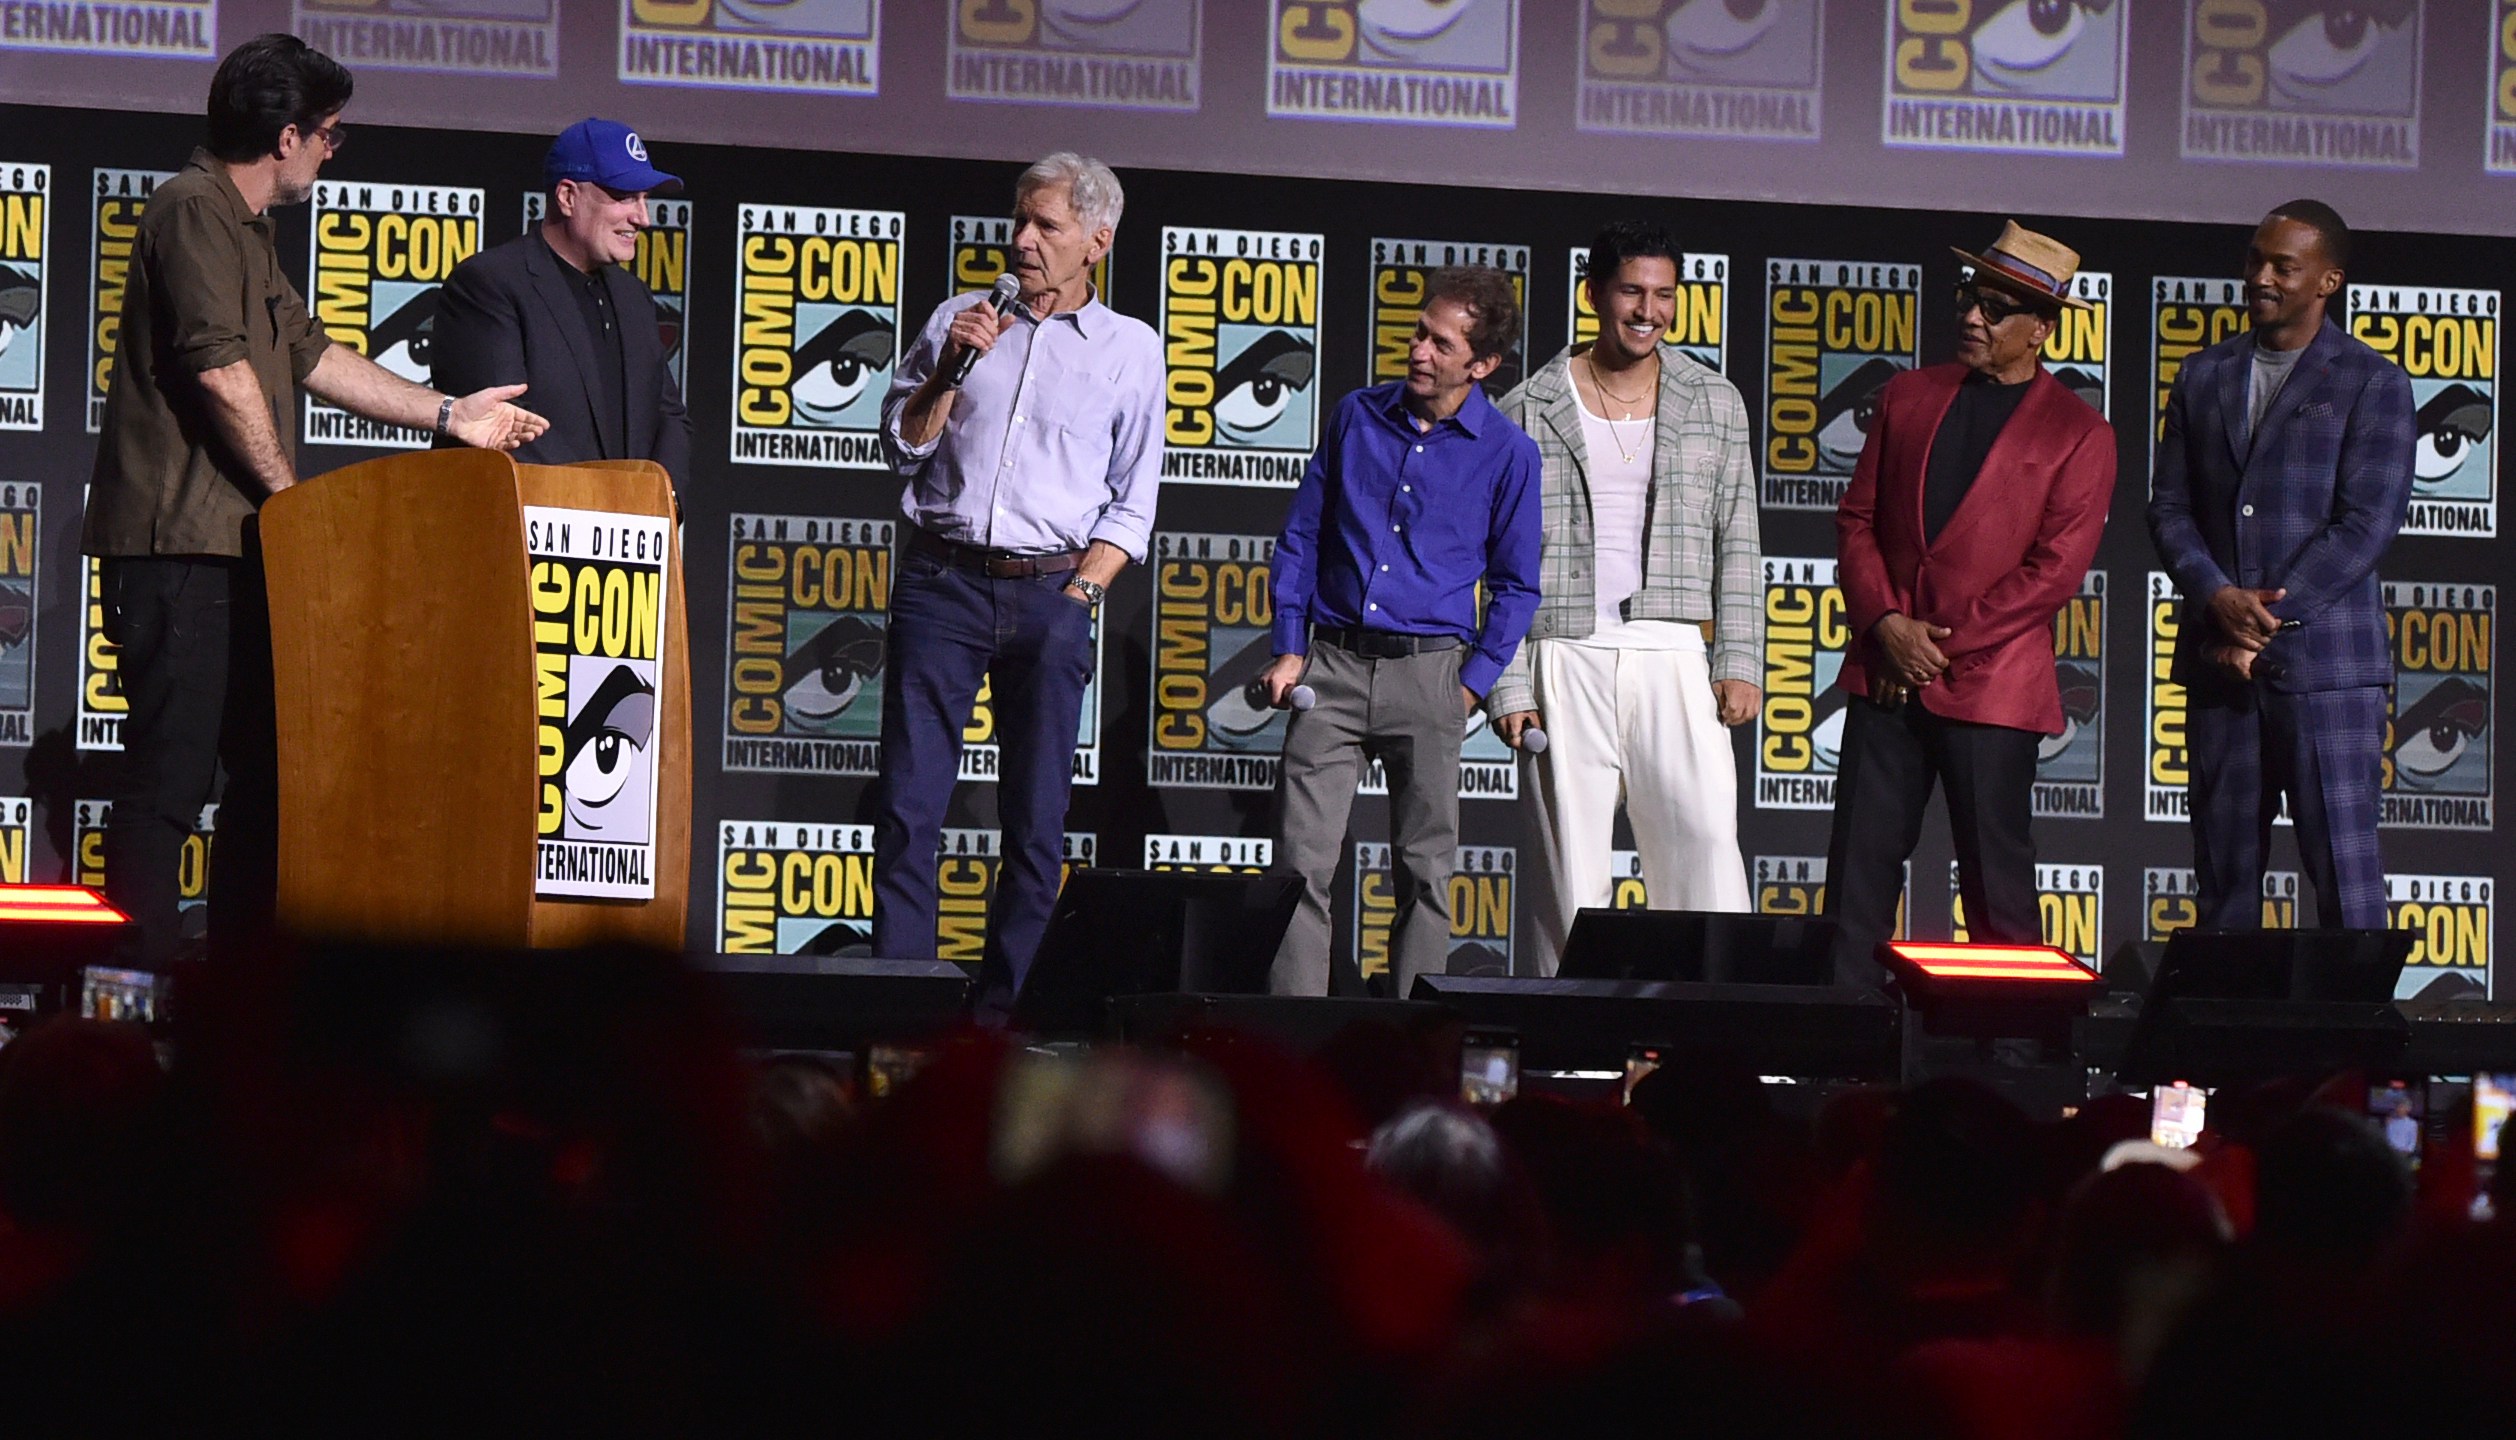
786 280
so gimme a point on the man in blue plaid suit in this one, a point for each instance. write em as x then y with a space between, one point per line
2283 473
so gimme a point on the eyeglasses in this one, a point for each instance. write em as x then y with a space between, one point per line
1995 306
335 138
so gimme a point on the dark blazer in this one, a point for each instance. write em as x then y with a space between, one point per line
2004 564
2309 506
509 315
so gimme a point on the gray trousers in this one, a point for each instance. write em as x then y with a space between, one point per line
1409 713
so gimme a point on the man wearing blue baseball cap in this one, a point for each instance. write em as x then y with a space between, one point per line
558 310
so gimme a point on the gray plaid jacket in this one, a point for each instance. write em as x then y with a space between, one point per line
1701 557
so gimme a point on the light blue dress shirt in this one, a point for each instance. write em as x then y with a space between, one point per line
1055 440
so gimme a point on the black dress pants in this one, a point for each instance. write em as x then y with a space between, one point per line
195 637
1891 760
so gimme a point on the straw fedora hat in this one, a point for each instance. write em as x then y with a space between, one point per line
2023 262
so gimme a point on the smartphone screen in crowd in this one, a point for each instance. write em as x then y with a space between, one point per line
2176 1114
1640 1061
1489 1067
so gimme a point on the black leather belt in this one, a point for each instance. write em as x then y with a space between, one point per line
1382 644
994 564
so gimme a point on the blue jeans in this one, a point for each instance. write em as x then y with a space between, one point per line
1033 642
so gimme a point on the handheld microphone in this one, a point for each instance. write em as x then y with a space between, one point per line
1007 290
1300 697
1533 741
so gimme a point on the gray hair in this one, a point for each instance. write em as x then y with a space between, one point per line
1092 191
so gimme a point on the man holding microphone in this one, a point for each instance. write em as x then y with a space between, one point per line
1027 424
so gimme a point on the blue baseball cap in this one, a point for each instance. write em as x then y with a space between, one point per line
606 152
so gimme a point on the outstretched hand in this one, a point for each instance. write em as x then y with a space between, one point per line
485 419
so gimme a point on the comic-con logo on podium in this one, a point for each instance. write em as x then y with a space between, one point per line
1796 885
175 29
808 605
101 701
598 585
1699 323
2070 767
2186 314
1799 729
2449 917
21 572
817 47
2280 81
1240 330
25 220
379 254
117 199
2437 772
784 888
1481 909
2070 910
968 864
982 249
1401 272
1115 54
445 37
816 334
2171 901
88 820
1836 331
662 264
2447 341
1215 854
1213 614
1703 67
2021 76
1417 62
17 832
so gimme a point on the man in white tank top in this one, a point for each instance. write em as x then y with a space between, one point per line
1649 637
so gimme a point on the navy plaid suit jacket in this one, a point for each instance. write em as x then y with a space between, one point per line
2309 505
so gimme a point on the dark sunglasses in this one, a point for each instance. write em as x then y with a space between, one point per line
1996 307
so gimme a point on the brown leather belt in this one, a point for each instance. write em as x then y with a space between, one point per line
994 564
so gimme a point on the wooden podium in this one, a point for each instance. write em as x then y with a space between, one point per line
411 735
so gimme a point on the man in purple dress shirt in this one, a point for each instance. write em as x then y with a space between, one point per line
1419 491
1030 486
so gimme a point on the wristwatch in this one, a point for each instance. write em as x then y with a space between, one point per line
1093 590
445 415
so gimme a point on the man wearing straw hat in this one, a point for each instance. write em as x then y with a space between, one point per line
1969 523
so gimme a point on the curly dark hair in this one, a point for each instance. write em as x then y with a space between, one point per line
1493 305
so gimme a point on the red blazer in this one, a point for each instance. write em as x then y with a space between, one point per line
2004 564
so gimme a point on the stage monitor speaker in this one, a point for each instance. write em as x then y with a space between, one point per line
1139 932
2231 1007
1699 946
1807 1031
837 1002
51 936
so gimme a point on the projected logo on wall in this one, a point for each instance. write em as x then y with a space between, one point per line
1421 62
1699 324
21 574
1211 616
2447 341
1240 326
2498 153
460 37
118 198
2450 919
379 254
807 607
982 249
2070 767
1799 731
816 334
2016 75
784 888
2437 736
1739 69
967 864
25 219
180 29
2186 314
2171 901
1480 909
1836 331
2070 910
662 264
825 47
1219 854
1401 269
2329 82
1118 54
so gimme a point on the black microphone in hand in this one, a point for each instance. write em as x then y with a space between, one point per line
1001 299
1300 697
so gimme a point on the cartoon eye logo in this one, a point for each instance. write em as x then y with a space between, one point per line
1825 738
2453 422
824 17
1062 13
17 615
2079 708
1717 29
1259 383
404 340
608 739
1845 413
2325 42
1394 27
2027 36
21 300
837 366
668 326
2438 728
2083 383
826 673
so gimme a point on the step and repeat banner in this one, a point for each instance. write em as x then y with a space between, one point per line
2173 109
1275 296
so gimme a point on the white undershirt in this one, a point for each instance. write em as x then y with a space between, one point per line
1620 498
